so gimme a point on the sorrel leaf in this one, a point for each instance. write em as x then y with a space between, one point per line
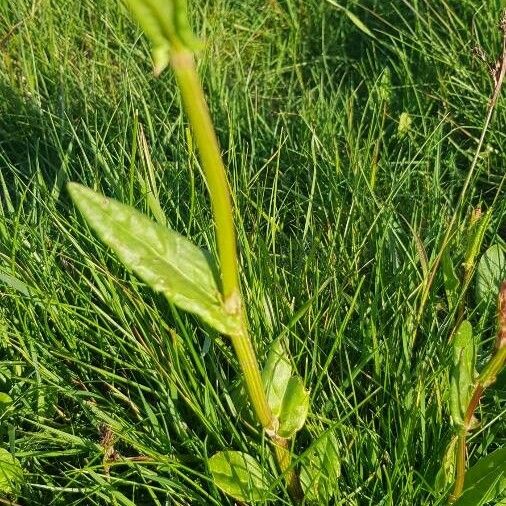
276 375
294 408
165 260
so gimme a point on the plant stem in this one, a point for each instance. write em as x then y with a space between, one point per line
205 137
198 114
284 458
461 467
485 379
249 365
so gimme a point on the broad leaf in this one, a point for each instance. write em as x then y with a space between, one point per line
286 395
5 402
462 372
11 474
276 375
294 408
165 22
164 259
321 469
489 274
240 476
485 482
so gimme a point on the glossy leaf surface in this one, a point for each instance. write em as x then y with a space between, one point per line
165 260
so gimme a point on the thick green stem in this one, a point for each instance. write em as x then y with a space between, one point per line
198 113
196 108
461 468
249 366
284 458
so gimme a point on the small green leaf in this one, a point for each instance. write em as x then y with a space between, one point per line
165 22
5 402
485 482
240 476
11 474
164 259
286 395
451 281
462 372
446 474
294 408
276 375
490 272
321 469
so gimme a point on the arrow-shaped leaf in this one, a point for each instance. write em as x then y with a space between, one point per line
164 259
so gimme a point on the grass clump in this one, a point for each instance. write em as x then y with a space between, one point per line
342 206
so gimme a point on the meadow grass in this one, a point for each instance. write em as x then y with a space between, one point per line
340 208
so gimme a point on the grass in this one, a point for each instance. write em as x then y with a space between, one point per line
121 399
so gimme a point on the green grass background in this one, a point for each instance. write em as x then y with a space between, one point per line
337 212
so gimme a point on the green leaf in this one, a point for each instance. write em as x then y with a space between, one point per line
485 481
489 274
294 408
462 372
446 474
451 281
321 469
165 260
11 474
165 22
286 395
5 402
240 476
276 375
